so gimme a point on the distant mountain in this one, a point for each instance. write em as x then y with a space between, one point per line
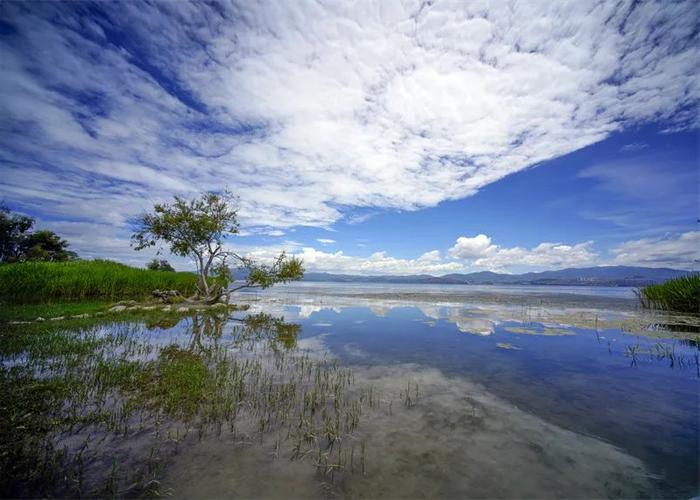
589 276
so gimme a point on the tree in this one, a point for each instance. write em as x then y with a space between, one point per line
160 265
19 243
46 245
12 230
197 229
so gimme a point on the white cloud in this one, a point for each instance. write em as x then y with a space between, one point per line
377 263
477 246
543 256
325 241
481 253
307 109
679 251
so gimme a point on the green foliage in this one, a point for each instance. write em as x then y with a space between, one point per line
196 229
188 226
284 269
191 228
18 243
680 294
33 282
160 265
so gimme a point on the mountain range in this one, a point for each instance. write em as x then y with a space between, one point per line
590 276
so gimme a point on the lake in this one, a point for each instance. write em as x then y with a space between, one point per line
364 390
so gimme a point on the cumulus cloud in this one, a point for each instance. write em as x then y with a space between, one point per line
543 256
679 251
310 108
481 253
477 246
376 263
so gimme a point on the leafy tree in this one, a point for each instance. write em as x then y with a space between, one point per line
12 230
19 243
160 265
196 229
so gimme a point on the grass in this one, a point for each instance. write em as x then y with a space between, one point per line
95 406
29 312
45 282
680 295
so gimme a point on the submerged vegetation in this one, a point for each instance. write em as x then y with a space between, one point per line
35 282
680 294
92 409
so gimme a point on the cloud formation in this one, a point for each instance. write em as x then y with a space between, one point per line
678 251
479 252
306 109
376 263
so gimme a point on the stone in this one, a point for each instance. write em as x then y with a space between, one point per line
58 318
40 319
117 309
182 309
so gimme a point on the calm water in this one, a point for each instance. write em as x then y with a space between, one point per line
378 391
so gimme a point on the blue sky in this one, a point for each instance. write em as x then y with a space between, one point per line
382 137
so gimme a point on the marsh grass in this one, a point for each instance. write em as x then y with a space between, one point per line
680 294
41 282
29 312
97 408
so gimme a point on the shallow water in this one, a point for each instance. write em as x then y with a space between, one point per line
436 392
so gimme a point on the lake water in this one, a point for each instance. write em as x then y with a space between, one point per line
357 390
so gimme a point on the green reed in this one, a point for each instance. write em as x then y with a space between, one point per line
34 282
680 294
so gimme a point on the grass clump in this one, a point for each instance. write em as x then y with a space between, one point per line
35 282
680 294
29 312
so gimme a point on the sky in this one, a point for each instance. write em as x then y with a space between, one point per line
389 137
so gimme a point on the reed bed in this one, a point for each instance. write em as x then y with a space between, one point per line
680 295
36 282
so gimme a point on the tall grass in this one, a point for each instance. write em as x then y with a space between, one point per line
34 282
680 294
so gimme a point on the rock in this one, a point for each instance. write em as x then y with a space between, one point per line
40 319
133 308
80 316
166 296
19 322
117 309
183 309
166 308
58 318
149 308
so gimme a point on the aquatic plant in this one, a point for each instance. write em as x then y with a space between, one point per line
77 393
33 282
680 294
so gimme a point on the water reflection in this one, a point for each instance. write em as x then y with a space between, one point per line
332 399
